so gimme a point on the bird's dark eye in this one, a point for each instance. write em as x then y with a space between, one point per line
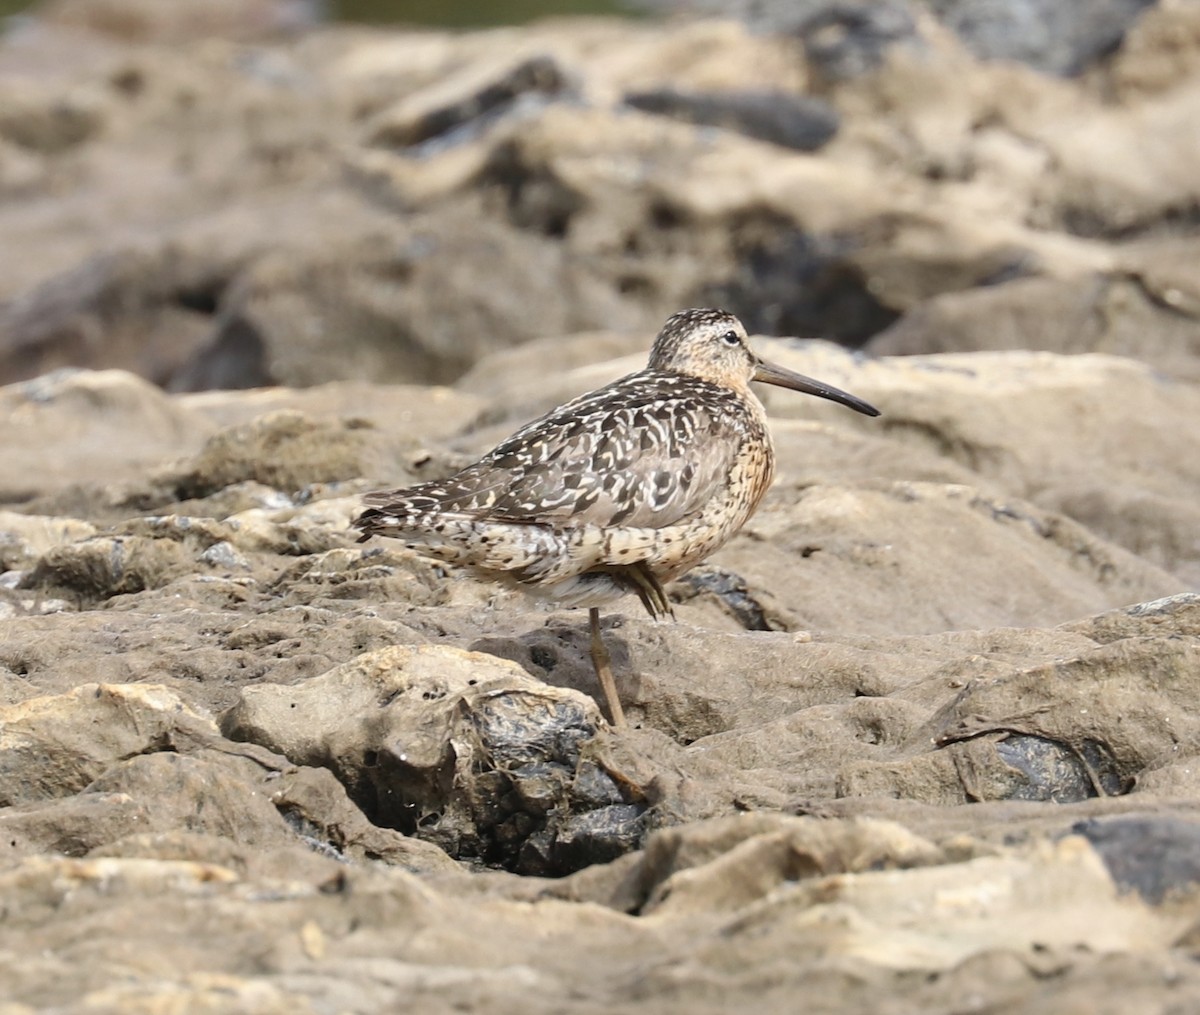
731 338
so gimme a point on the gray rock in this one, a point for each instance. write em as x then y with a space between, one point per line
792 121
1055 37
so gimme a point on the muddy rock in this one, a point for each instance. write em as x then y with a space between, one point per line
382 716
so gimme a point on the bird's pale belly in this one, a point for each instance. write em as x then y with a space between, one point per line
588 570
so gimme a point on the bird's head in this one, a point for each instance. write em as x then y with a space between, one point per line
712 345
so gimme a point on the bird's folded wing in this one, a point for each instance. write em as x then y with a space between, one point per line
639 457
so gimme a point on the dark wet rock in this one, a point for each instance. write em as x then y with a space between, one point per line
589 837
786 280
465 101
844 40
460 750
734 595
1155 856
793 121
1051 770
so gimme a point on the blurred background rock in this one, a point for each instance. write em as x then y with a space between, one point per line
230 194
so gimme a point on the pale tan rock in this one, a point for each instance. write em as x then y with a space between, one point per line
1097 437
81 426
56 745
728 864
23 538
963 910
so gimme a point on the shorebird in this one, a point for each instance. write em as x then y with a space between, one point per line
618 491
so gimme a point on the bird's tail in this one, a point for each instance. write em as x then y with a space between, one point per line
458 538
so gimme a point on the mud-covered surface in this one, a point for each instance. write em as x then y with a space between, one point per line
924 736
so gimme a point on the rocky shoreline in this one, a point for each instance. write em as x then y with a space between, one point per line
923 736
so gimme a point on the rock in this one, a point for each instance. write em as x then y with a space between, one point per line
47 123
24 538
922 736
843 41
726 864
91 426
58 745
460 102
1157 52
157 792
459 749
72 826
1003 416
1053 37
140 308
790 121
1153 856
315 806
863 917
1116 315
285 450
405 295
1065 752
1064 38
104 566
596 217
1020 559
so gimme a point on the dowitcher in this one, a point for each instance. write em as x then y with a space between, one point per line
618 491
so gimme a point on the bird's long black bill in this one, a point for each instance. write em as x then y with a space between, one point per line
769 373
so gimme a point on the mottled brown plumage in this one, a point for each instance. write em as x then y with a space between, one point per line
618 491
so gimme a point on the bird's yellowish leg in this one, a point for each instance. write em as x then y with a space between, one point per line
603 666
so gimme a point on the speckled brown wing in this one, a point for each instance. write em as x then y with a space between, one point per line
646 451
